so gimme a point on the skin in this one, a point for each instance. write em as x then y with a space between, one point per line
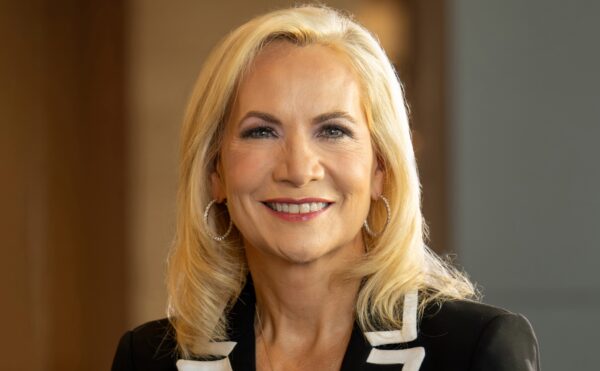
297 130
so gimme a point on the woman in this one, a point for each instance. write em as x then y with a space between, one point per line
300 235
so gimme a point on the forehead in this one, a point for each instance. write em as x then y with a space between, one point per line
309 77
325 59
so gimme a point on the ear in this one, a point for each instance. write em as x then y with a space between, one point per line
377 179
217 186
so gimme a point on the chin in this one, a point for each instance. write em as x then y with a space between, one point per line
304 255
309 253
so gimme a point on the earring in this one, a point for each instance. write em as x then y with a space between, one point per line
387 221
214 236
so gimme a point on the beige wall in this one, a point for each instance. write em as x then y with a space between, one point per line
167 44
61 192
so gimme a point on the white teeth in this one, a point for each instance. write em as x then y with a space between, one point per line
297 208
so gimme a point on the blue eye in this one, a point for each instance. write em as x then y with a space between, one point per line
334 132
261 132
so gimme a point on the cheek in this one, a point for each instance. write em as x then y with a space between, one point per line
243 169
352 171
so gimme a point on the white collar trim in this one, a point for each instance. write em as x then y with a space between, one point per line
411 358
409 325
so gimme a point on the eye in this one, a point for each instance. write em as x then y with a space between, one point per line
260 132
332 131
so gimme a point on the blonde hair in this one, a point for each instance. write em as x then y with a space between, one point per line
205 277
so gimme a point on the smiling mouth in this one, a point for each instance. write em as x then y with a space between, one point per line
297 208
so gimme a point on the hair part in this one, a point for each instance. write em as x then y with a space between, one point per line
205 277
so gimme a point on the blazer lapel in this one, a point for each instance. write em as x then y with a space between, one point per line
377 350
357 352
238 353
241 330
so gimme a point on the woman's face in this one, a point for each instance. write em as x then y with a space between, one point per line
297 165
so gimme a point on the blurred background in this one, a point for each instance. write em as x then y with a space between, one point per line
505 110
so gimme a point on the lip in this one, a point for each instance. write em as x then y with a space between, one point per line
297 217
297 201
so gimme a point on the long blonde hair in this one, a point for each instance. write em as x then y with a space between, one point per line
205 276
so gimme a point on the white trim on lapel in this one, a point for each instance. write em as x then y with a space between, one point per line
410 358
409 325
222 348
220 365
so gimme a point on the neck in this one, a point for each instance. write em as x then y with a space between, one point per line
304 305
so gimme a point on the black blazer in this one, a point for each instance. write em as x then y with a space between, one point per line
457 335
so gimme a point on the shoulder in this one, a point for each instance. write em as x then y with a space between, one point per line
151 346
460 314
477 336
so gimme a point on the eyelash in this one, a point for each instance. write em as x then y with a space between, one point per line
343 132
259 133
264 132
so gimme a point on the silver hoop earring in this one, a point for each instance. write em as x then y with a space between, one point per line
387 221
214 236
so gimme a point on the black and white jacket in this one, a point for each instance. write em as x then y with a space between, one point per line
457 335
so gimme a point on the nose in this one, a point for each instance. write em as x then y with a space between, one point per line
299 162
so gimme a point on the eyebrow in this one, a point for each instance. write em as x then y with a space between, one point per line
320 118
261 115
334 115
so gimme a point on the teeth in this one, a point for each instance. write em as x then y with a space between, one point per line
297 208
